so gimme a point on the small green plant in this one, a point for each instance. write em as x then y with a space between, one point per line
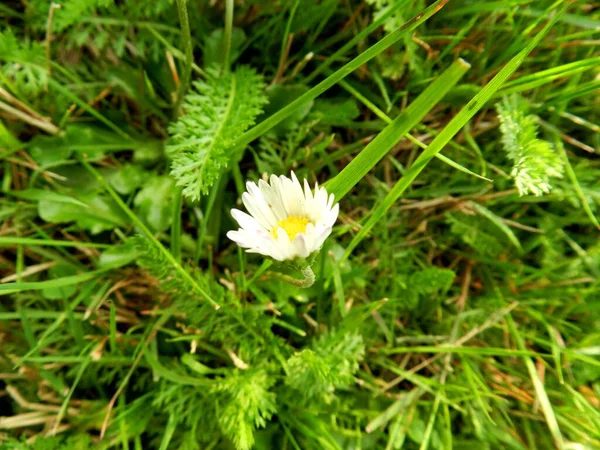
535 161
216 112
439 308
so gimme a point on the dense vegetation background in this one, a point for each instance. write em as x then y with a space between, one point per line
457 302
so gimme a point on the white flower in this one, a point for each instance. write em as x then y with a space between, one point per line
285 221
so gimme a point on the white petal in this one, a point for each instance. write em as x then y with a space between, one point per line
320 238
273 200
284 245
293 197
258 200
309 238
300 247
246 221
308 196
256 211
332 215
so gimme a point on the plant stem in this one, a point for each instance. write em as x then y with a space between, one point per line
187 42
308 281
227 35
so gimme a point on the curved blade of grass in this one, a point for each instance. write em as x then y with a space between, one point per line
411 116
165 373
576 185
9 288
448 133
187 68
82 104
356 39
14 240
340 74
571 19
383 116
537 79
483 211
538 385
176 225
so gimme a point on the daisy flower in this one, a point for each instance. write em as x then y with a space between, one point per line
286 222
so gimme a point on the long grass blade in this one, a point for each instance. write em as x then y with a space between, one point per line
340 74
389 137
448 133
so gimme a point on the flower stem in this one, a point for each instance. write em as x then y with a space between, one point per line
308 281
187 42
227 35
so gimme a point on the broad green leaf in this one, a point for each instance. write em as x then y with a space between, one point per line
282 95
213 46
100 214
42 194
154 202
126 179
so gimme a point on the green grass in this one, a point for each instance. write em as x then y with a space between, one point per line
452 307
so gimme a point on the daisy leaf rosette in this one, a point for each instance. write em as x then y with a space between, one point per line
286 222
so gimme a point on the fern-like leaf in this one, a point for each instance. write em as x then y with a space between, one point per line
23 63
534 160
216 112
431 280
330 364
244 403
172 282
474 235
382 8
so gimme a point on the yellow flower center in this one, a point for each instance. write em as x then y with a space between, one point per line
292 226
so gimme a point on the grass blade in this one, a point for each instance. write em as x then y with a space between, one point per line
383 116
538 386
411 116
340 74
448 133
14 240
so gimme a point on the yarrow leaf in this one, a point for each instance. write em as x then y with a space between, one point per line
330 364
244 403
23 63
468 229
216 112
535 161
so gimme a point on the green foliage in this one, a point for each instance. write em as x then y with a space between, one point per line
71 12
392 65
431 280
472 233
107 25
172 282
155 201
22 63
216 112
74 442
383 7
310 374
244 403
535 161
330 364
448 312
